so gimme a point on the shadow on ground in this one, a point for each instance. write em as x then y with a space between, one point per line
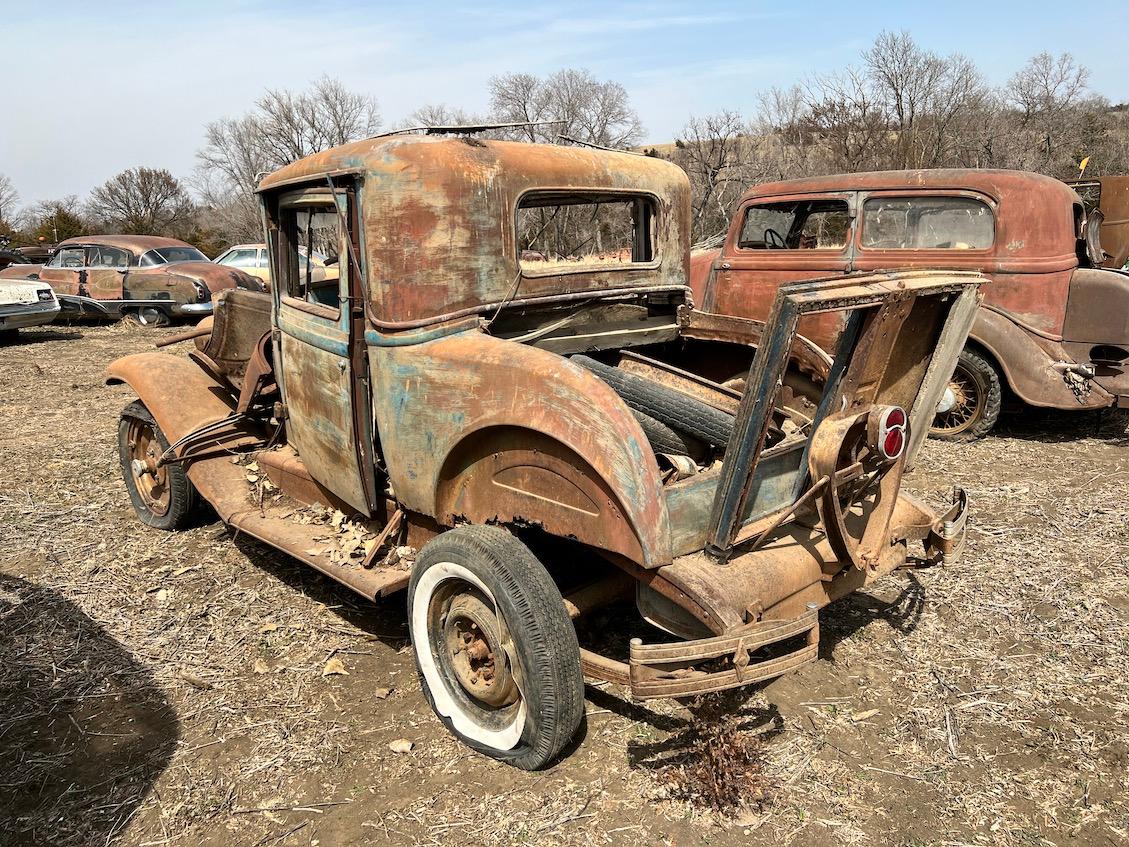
1056 426
85 730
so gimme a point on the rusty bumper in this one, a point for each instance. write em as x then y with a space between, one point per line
674 670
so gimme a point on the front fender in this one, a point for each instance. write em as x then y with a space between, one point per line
1028 365
177 392
432 397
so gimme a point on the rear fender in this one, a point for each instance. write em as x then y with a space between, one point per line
1028 366
480 428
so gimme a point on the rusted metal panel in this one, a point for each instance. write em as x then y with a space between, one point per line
1032 262
1109 194
454 200
430 397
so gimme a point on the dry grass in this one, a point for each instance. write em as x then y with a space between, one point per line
170 689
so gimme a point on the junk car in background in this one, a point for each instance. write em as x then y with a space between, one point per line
1109 195
1054 326
509 362
147 279
253 259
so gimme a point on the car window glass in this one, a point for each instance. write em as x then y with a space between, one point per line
150 259
107 257
262 263
181 254
247 258
927 223
819 224
69 257
313 225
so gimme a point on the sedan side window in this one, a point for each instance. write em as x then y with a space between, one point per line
107 257
241 258
821 224
69 257
927 223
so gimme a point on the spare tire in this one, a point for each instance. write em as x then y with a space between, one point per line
676 410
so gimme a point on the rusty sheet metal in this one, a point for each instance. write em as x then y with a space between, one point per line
492 397
455 199
1113 201
1028 363
1033 265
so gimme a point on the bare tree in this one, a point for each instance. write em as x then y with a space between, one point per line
1049 95
440 114
54 220
143 201
8 199
719 155
283 126
583 107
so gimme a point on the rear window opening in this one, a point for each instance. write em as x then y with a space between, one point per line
562 232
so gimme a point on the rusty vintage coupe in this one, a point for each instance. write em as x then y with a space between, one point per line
147 279
1054 326
454 397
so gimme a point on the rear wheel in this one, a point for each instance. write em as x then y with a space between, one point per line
494 647
163 497
970 406
148 316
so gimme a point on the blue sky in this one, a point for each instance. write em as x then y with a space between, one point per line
105 86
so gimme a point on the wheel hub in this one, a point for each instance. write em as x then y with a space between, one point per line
479 661
151 481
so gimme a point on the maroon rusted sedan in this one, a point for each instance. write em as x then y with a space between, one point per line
148 279
1054 326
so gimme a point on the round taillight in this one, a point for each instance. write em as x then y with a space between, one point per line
888 427
893 443
895 417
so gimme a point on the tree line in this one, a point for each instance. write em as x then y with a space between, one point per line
900 106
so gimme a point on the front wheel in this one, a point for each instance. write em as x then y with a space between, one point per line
494 646
163 497
971 403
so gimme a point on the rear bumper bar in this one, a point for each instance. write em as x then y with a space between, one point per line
673 670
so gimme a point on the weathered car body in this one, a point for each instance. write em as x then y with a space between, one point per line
459 378
25 303
1054 326
1110 196
254 259
150 279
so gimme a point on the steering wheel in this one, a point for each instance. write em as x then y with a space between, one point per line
776 240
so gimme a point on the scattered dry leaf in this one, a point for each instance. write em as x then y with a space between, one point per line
334 667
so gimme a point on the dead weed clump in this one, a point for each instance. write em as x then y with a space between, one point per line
722 765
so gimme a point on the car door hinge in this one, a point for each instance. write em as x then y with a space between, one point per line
280 412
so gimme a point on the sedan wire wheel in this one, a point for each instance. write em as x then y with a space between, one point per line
152 482
961 405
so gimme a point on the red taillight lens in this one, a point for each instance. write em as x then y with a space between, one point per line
893 443
888 431
895 417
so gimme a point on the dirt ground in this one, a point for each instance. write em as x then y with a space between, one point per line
170 689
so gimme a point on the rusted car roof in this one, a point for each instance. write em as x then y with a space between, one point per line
455 199
136 243
995 183
1035 225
